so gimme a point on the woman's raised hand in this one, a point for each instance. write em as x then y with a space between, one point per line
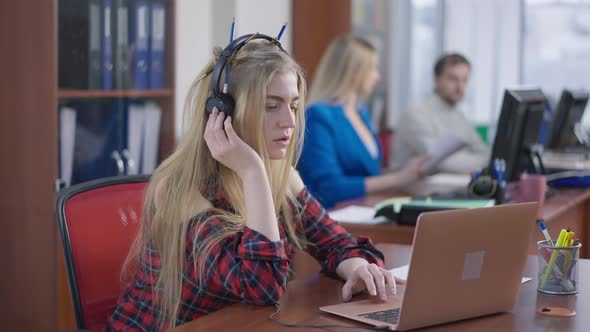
227 147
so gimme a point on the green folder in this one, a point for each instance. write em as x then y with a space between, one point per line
438 203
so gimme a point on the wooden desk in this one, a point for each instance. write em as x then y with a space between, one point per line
566 208
304 296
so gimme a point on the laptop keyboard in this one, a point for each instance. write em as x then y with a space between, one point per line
390 316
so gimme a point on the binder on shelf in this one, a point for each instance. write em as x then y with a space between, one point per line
67 134
120 19
94 45
73 30
153 114
140 44
107 45
157 44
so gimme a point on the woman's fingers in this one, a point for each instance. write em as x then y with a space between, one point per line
347 290
367 278
209 137
211 119
218 130
378 280
229 130
391 282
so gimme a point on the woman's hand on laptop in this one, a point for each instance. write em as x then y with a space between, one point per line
360 275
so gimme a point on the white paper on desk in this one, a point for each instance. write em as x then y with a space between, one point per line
441 151
356 214
402 273
440 183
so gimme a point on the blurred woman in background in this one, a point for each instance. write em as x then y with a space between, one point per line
342 155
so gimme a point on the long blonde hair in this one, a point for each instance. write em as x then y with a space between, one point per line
343 69
178 187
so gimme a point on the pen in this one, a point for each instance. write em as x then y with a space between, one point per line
568 255
231 38
554 255
501 172
282 30
232 30
545 232
545 252
570 238
496 168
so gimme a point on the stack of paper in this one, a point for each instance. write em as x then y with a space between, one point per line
356 214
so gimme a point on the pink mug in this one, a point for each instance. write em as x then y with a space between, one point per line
530 188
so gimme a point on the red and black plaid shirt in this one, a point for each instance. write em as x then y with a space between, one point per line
246 267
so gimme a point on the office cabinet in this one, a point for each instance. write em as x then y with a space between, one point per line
51 61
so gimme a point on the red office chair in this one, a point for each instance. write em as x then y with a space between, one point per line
386 139
98 221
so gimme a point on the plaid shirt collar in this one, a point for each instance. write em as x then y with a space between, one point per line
217 196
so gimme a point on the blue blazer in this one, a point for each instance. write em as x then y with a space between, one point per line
335 161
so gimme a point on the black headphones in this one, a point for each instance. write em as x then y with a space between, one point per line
484 186
220 99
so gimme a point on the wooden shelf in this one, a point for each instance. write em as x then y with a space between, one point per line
114 93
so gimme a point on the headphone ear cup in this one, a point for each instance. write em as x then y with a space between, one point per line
224 103
483 187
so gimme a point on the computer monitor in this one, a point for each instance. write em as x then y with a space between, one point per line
568 114
518 130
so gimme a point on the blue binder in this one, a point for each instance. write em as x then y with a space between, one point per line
73 28
107 46
157 44
121 49
94 44
140 40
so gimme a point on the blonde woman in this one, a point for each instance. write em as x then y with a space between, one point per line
342 156
226 211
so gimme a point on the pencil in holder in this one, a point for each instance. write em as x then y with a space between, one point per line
558 268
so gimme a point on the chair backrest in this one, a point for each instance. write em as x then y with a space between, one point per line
386 140
98 221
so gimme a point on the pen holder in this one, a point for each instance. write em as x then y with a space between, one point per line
558 268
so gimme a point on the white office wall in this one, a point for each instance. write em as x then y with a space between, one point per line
488 34
193 48
264 16
223 12
398 35
202 24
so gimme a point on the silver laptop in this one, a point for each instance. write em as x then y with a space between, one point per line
464 264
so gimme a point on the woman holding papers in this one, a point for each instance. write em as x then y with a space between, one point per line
342 156
225 213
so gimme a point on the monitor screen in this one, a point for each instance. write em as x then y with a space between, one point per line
518 130
568 114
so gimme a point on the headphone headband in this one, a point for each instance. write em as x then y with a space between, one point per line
233 47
